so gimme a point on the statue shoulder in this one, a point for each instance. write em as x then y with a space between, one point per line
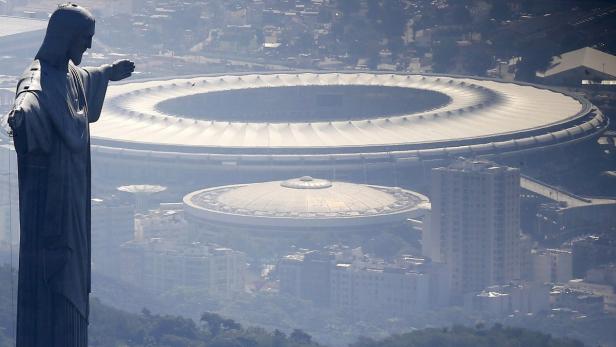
25 103
27 96
29 88
30 80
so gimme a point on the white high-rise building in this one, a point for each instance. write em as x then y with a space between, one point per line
475 224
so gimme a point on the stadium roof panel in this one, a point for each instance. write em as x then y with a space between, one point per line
18 25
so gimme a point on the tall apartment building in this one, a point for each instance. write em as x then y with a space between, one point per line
475 224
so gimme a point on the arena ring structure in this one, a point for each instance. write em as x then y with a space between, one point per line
334 119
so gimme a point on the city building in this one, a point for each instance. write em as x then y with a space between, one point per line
113 224
307 276
392 290
160 265
592 251
6 225
556 215
167 222
578 296
502 300
603 274
9 203
475 224
356 283
552 265
581 66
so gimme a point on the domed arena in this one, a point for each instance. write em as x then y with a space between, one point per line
339 125
275 213
304 203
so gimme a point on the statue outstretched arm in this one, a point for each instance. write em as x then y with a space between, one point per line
95 81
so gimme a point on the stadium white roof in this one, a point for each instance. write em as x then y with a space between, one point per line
17 25
481 112
131 113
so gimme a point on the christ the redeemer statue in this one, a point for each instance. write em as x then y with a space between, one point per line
55 102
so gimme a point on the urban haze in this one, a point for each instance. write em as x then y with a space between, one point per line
341 172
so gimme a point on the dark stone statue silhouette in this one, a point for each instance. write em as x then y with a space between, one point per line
55 102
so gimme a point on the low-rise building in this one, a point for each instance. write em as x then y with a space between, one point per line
585 296
161 265
113 223
393 290
579 300
502 300
551 265
603 274
581 66
349 281
592 251
306 275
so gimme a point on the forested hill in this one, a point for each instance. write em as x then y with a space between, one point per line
110 327
479 336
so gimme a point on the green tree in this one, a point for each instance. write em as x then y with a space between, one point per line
217 324
500 10
535 56
443 55
348 6
300 336
459 15
476 60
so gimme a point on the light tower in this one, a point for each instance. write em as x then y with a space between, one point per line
142 194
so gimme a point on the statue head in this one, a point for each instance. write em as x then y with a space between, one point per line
69 34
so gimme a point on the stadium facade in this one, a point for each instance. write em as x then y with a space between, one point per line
357 126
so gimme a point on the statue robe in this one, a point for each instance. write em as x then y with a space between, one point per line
50 122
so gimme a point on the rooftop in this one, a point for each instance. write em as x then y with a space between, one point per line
587 57
299 201
479 110
142 189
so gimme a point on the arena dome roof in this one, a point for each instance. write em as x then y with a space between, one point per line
304 202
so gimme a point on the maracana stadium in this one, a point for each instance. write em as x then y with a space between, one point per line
354 126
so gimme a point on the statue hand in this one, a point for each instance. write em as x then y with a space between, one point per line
121 69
